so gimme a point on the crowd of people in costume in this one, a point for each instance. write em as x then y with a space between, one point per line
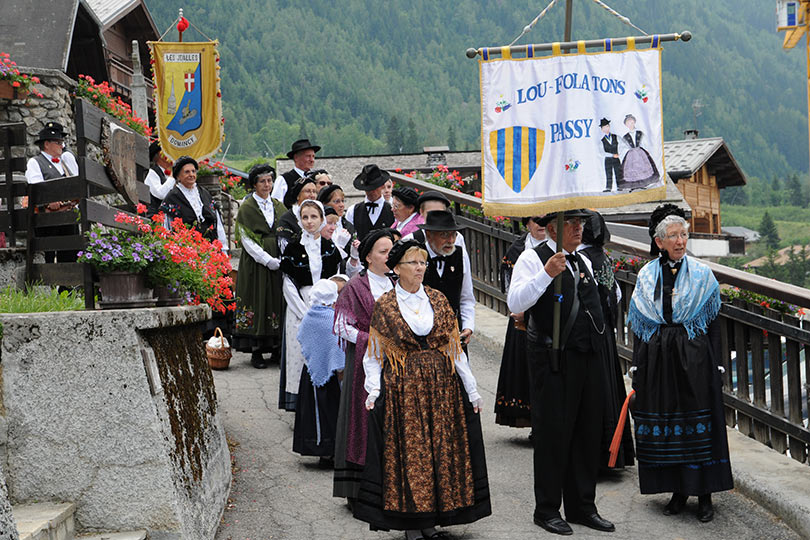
368 310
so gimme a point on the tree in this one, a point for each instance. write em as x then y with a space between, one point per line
393 136
768 232
776 192
451 137
411 138
795 193
302 129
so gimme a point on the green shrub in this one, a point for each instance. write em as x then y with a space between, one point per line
38 298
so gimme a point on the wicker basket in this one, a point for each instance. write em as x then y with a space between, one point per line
218 357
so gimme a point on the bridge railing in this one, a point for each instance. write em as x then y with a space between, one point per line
766 354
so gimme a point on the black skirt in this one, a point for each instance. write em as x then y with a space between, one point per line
512 401
316 417
679 423
369 504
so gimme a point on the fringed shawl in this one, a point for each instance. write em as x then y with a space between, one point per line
322 354
695 299
391 339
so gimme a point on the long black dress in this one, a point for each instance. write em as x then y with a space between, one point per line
512 400
679 390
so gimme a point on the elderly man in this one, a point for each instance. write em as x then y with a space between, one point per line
159 178
448 268
303 155
566 385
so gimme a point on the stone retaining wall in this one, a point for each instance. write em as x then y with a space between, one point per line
115 411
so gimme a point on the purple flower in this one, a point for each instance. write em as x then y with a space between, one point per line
105 258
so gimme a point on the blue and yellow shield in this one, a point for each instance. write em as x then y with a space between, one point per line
517 151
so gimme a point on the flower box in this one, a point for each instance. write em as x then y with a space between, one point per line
11 92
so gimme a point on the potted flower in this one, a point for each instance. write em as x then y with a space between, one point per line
121 259
13 83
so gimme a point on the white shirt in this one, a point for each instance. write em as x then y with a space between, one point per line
530 280
531 242
67 165
373 213
250 247
280 185
156 187
379 285
467 301
420 323
193 197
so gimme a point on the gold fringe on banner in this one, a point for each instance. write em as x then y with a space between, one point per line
573 203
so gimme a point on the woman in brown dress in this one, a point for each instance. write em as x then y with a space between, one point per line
425 463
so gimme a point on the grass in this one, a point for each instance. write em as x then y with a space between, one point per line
39 299
792 222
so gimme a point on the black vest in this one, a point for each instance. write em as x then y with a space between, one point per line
362 223
611 147
49 169
154 202
176 205
289 178
295 262
585 334
449 283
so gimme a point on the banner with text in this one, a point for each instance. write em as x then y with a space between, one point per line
571 131
187 98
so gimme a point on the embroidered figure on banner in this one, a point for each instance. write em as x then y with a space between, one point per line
610 150
185 71
517 152
638 167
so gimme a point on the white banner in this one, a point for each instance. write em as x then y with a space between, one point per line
571 131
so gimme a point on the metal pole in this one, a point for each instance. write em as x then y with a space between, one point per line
180 34
589 44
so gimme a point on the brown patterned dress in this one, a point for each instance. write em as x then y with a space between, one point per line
425 463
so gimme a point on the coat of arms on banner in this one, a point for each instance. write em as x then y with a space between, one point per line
189 117
573 130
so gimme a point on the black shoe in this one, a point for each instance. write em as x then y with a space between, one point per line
675 505
556 525
326 463
595 521
705 511
258 361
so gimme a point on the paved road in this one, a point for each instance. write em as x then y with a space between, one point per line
278 494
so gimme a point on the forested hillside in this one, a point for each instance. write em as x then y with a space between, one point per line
340 71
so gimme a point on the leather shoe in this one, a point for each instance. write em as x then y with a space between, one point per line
596 522
258 361
675 505
556 525
705 511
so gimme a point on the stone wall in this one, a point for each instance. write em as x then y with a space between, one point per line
8 529
115 411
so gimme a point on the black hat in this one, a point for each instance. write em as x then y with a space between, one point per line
291 197
370 178
181 162
431 196
329 211
604 122
259 170
53 131
399 250
595 231
548 218
657 217
326 193
536 219
440 220
368 243
406 194
154 149
301 144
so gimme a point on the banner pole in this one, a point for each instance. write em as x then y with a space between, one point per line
589 44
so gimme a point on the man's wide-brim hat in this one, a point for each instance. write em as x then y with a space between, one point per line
301 144
53 131
604 122
549 218
440 220
370 178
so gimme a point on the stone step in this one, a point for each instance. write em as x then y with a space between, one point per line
44 521
125 535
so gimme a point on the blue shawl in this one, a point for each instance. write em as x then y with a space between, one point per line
695 299
322 353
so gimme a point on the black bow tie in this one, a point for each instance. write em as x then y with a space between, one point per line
371 205
572 258
438 258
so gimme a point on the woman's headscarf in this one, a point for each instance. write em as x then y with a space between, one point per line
291 197
323 293
259 170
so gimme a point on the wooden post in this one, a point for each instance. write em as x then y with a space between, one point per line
9 134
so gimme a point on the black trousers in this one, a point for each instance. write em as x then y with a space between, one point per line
613 168
567 424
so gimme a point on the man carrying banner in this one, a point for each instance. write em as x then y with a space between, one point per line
566 390
303 155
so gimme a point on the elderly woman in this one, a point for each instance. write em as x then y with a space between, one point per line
288 225
680 427
425 462
404 206
352 318
512 401
258 286
192 203
307 258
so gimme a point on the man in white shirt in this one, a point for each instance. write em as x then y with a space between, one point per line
373 212
159 178
303 155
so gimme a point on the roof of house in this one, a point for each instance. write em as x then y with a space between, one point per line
110 12
685 157
750 235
